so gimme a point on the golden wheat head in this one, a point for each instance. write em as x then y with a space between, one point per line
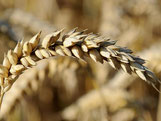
75 44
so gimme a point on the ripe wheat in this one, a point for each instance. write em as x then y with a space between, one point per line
75 44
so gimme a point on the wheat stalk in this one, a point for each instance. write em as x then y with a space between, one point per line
73 43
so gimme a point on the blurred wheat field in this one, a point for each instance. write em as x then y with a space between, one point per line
67 89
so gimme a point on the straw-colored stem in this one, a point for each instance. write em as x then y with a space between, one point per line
1 98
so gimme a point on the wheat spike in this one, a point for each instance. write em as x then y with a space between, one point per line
94 46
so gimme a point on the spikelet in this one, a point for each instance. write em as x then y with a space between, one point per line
30 61
45 53
105 53
18 49
6 62
77 52
95 55
141 74
63 50
68 42
59 51
90 44
3 71
52 52
114 63
27 49
16 69
51 39
137 66
73 39
39 54
12 57
84 47
126 68
35 40
24 62
66 51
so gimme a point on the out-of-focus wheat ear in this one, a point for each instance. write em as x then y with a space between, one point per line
13 58
35 40
6 62
41 75
95 55
27 49
50 39
18 50
52 68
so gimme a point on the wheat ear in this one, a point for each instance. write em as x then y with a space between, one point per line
73 43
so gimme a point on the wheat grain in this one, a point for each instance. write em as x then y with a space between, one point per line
94 46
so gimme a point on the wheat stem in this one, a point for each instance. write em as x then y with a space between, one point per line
1 99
